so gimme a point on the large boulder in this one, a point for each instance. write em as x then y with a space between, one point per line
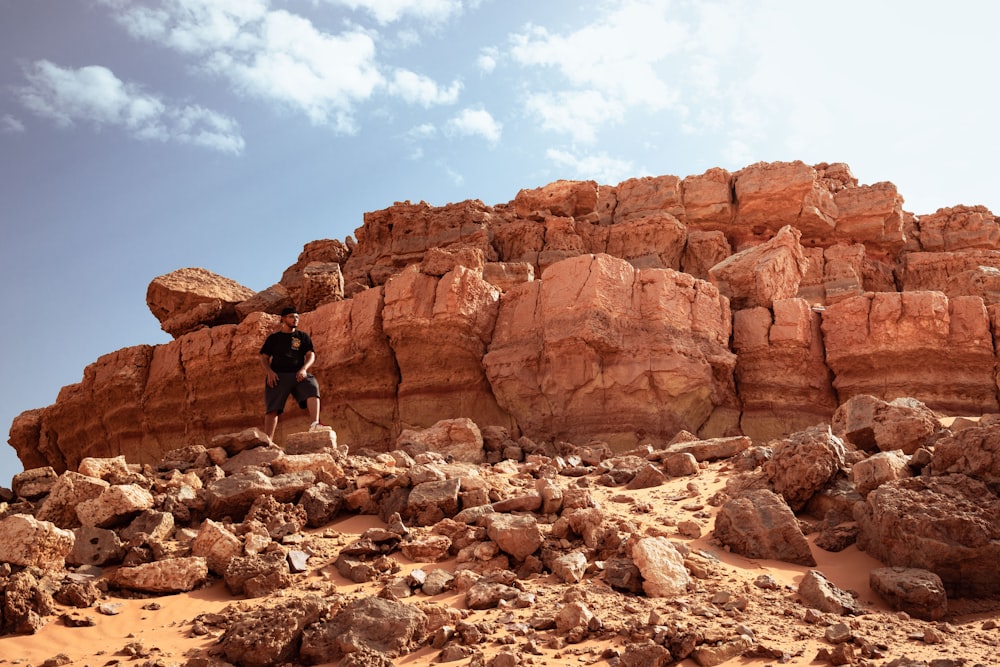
973 451
759 524
945 524
760 274
871 424
189 299
803 463
369 624
28 542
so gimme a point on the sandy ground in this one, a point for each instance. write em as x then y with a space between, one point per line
157 630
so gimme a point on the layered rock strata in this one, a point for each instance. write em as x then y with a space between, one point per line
723 303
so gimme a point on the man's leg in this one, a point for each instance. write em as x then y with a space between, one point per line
312 405
270 424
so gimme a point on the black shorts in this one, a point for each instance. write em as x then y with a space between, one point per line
275 397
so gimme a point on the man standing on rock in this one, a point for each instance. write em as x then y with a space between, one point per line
286 357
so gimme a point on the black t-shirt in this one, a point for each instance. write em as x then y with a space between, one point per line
287 350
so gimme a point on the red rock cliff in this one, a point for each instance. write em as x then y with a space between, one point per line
753 302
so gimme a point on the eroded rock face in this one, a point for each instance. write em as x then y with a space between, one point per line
601 348
781 374
564 314
903 344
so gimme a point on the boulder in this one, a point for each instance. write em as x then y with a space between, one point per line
69 491
519 536
270 634
173 575
759 524
820 593
35 483
232 496
457 439
26 541
25 604
943 523
373 624
112 469
872 424
429 502
188 299
878 469
95 546
258 575
217 545
661 567
710 449
919 593
763 273
116 505
803 463
973 451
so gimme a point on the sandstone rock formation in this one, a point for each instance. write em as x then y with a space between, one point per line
751 302
188 299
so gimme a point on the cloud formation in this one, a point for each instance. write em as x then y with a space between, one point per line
474 122
95 95
11 125
390 11
284 58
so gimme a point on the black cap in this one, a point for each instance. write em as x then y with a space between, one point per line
289 311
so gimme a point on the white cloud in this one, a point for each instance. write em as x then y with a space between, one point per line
474 122
418 89
487 59
282 57
322 75
618 53
422 131
389 11
11 125
577 113
599 167
95 95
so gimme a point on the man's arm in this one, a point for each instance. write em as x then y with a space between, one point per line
309 360
269 375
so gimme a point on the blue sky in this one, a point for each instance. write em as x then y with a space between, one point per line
139 137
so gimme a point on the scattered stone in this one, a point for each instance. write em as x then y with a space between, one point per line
919 593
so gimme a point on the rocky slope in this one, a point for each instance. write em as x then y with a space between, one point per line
489 551
751 303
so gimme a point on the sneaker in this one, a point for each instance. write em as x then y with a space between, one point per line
317 426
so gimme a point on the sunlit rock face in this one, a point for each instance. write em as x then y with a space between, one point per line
750 302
